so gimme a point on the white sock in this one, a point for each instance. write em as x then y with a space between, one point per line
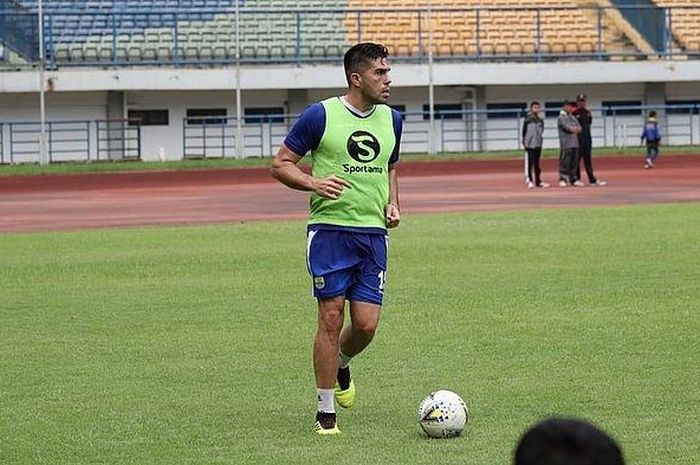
326 401
343 360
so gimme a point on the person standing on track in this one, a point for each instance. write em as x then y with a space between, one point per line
354 144
652 136
568 143
585 141
533 128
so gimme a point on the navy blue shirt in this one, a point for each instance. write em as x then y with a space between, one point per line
307 132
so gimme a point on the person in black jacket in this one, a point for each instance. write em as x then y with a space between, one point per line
585 141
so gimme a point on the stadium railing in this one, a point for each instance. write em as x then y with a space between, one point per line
205 36
82 140
455 131
118 139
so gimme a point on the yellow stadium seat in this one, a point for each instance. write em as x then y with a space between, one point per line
506 31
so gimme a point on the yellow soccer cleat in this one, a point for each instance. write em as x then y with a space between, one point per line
345 398
326 424
323 431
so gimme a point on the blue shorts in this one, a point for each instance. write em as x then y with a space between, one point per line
347 263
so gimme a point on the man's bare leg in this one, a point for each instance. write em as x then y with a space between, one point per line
354 338
330 323
357 335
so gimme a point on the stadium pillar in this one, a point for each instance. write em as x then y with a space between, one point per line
297 100
115 129
655 95
43 153
480 123
431 83
240 143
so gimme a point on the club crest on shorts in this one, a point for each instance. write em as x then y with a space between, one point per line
319 282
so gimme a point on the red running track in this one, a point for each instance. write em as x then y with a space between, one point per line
59 203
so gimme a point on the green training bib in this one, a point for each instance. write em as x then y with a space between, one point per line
358 150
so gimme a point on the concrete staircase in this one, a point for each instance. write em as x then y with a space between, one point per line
619 36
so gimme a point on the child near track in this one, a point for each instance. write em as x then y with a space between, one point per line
652 136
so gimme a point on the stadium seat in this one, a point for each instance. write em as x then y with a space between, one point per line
500 32
564 28
149 53
685 23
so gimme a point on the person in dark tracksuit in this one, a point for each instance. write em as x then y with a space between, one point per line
585 141
569 128
533 128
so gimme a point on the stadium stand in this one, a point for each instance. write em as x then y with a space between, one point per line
685 23
202 31
564 28
183 30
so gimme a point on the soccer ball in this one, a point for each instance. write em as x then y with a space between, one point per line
443 414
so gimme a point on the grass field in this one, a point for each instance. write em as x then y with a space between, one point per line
192 345
210 163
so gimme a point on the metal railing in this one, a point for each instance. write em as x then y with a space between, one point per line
118 139
454 131
458 131
66 141
293 35
205 139
73 141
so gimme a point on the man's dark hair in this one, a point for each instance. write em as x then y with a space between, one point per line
359 57
567 441
652 114
532 104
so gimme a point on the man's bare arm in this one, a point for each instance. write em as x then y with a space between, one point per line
393 209
285 170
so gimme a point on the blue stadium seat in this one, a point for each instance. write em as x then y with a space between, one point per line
68 28
152 30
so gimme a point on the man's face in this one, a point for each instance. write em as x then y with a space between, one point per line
375 82
535 109
581 104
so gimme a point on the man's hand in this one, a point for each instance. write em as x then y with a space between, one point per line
330 187
393 216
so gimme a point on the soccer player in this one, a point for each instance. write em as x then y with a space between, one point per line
354 143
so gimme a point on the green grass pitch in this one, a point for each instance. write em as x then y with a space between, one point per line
192 345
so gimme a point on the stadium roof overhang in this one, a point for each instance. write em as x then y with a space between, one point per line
326 76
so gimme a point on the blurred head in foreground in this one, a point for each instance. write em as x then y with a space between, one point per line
567 441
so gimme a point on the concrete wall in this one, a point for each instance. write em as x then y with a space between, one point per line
331 76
